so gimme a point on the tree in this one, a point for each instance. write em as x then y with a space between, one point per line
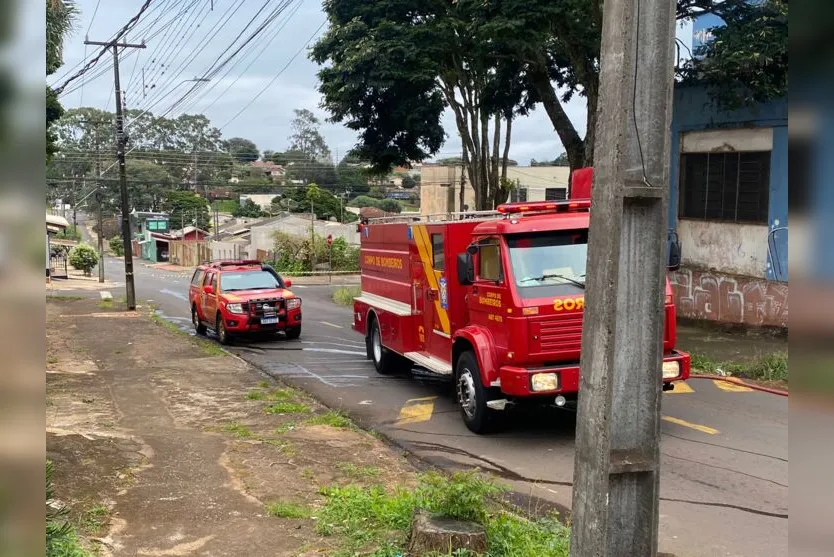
243 150
247 209
61 17
409 182
393 69
189 208
117 246
390 206
83 257
306 137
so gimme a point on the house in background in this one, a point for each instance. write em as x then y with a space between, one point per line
729 207
440 186
189 234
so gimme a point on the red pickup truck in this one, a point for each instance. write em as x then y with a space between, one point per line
243 297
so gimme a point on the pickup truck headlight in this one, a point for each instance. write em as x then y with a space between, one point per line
544 382
293 303
234 308
671 369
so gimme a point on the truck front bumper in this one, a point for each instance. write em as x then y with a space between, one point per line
241 323
520 381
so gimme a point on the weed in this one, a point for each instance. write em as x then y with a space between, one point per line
52 360
61 537
255 395
239 430
352 470
284 428
287 449
288 408
287 509
208 347
105 304
263 384
771 367
344 296
308 474
333 418
94 520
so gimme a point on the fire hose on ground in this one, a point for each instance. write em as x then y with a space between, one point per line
739 382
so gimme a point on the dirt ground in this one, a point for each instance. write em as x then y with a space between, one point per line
162 445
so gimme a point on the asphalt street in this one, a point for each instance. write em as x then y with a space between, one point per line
724 482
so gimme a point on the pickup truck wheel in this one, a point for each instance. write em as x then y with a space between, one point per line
222 334
385 361
293 333
195 320
471 394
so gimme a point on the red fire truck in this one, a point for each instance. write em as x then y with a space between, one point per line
494 301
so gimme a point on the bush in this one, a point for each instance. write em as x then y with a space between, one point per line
117 246
361 201
390 206
293 254
344 296
83 257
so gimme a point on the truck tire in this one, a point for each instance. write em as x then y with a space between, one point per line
471 394
293 333
222 335
195 320
385 361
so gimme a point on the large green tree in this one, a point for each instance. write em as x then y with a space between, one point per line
61 16
391 69
243 150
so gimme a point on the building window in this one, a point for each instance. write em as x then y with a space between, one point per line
437 252
731 187
518 195
489 260
555 194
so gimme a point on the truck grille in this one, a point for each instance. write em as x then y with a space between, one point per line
557 334
257 308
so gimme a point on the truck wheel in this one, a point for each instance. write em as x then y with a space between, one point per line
195 320
385 361
472 395
222 334
293 333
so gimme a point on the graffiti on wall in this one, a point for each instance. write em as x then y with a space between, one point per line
730 299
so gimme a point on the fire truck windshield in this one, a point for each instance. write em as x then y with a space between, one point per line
548 264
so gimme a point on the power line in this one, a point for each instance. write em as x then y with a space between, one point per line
127 27
274 79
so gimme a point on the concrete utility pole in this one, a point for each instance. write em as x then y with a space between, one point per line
617 467
121 144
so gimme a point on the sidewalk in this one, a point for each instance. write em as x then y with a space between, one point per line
165 445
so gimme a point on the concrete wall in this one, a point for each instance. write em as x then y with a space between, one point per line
437 181
731 248
730 299
228 250
263 236
698 126
264 200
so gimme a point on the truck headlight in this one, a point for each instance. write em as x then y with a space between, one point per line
234 308
293 303
671 369
544 381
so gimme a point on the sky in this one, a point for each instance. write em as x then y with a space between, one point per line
255 98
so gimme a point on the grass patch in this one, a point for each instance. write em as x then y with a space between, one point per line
344 296
375 518
352 470
333 418
105 304
772 367
239 430
284 428
62 298
93 521
208 347
287 509
287 408
62 540
264 384
52 360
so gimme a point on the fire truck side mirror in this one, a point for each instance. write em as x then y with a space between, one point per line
466 269
674 251
472 249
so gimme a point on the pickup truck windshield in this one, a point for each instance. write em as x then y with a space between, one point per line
250 280
546 264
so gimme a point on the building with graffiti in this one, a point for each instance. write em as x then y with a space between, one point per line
729 209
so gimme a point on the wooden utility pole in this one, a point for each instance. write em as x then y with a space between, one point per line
121 143
617 468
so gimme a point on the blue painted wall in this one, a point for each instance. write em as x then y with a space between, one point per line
693 111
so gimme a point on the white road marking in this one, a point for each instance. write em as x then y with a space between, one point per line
331 324
366 402
333 351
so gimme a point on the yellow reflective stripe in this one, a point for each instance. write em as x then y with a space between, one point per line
421 238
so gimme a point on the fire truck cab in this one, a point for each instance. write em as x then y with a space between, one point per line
494 301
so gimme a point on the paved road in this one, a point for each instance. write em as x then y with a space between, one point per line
724 484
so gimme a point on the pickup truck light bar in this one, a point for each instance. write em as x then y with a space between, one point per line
573 206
